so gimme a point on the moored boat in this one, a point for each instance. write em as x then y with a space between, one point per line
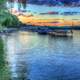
62 33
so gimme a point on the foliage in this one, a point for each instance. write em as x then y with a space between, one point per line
6 18
9 19
2 1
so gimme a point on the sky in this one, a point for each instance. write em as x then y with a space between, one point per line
34 17
53 2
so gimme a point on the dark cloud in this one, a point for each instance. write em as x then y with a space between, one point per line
53 2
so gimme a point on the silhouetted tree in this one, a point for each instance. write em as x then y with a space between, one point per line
23 3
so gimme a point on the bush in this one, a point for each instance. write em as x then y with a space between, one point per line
8 20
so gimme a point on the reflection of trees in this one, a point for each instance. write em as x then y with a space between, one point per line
4 74
17 59
21 70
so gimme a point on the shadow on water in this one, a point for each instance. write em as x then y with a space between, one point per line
4 71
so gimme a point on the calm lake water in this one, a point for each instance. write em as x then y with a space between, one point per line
31 56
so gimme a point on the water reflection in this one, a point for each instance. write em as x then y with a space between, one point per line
16 58
42 57
4 71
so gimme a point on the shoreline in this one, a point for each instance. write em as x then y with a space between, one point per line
34 28
45 30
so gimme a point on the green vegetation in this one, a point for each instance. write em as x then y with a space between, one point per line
4 71
2 2
6 18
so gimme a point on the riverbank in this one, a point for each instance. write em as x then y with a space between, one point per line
55 31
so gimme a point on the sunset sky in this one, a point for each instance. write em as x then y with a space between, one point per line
43 15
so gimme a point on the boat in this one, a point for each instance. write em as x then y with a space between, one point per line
62 33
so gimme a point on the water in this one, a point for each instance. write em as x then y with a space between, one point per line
31 56
4 71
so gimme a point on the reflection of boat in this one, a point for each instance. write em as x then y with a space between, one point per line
42 31
61 33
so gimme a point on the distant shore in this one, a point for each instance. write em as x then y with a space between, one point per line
43 29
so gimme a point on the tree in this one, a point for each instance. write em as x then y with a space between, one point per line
6 18
23 3
2 3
